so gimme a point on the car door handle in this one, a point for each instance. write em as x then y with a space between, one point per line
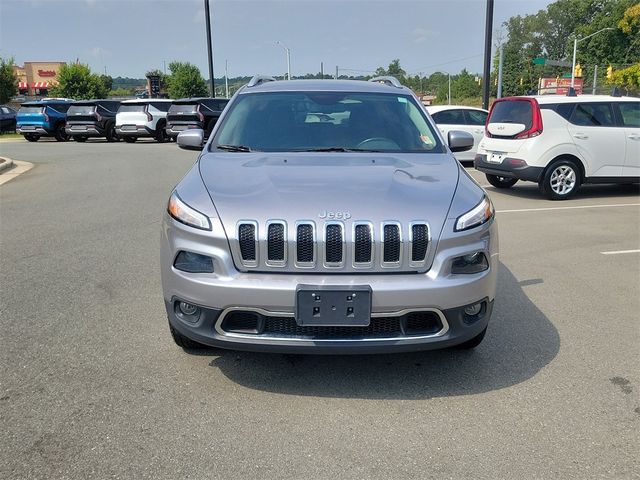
634 136
581 136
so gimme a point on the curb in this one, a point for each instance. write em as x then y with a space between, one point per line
5 164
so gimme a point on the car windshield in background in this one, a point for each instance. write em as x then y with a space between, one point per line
131 108
31 110
321 121
81 109
513 111
185 108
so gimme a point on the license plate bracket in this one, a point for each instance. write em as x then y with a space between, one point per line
496 157
333 306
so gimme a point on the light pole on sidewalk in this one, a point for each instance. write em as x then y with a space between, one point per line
575 48
286 49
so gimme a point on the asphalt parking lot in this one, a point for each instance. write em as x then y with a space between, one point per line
92 386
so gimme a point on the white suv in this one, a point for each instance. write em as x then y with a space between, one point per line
143 118
561 142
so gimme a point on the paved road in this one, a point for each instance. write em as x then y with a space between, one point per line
91 385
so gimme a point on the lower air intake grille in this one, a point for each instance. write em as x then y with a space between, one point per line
287 326
247 237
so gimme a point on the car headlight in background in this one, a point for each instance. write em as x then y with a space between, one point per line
481 213
187 215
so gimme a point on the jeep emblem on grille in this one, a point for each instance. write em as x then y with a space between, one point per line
335 215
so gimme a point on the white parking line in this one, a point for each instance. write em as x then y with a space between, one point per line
619 252
569 208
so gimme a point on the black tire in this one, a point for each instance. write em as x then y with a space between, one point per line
501 182
111 134
130 139
185 342
161 134
561 180
31 138
60 135
80 138
474 342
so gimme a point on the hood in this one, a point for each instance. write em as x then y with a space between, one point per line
312 186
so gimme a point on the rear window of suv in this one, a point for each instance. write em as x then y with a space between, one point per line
82 109
181 107
513 111
31 110
131 108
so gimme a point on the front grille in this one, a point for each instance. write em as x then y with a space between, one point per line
341 246
304 242
419 242
247 238
333 247
410 324
275 242
362 244
391 244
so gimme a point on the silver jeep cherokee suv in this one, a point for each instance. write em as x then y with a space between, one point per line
328 217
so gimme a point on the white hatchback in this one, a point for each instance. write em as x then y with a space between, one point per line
457 117
143 118
561 142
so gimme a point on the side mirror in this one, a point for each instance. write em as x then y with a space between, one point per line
191 139
459 141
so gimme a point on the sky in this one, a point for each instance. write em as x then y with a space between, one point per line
129 37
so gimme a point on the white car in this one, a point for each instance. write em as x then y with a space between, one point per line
457 117
143 118
561 142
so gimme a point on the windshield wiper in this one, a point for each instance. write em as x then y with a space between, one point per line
337 149
233 148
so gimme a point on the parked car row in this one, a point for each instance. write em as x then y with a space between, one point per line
161 119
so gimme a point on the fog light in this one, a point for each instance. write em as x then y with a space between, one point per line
473 310
187 308
472 263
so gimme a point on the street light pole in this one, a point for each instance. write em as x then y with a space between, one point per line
288 59
449 88
226 78
208 19
575 48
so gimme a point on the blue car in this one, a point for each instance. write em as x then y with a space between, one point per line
44 118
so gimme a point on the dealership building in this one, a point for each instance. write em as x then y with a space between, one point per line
36 78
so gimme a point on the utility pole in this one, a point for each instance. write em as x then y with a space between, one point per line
226 78
336 77
208 21
595 79
500 63
322 70
488 29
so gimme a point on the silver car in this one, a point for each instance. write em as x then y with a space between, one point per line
328 217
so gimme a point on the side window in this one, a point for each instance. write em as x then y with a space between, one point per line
592 115
449 117
476 117
630 113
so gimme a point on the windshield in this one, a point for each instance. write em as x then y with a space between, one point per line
131 108
307 121
82 109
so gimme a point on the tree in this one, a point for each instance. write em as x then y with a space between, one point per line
75 80
627 78
107 81
8 80
185 80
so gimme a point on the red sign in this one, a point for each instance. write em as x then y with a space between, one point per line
46 73
559 86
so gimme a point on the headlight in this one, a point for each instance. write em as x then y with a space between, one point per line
187 215
481 213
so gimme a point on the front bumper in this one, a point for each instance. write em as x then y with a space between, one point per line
507 169
134 131
274 294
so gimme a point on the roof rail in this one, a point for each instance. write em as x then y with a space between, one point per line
387 80
258 79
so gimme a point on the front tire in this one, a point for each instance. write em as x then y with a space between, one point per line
561 180
31 138
161 134
185 342
501 182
